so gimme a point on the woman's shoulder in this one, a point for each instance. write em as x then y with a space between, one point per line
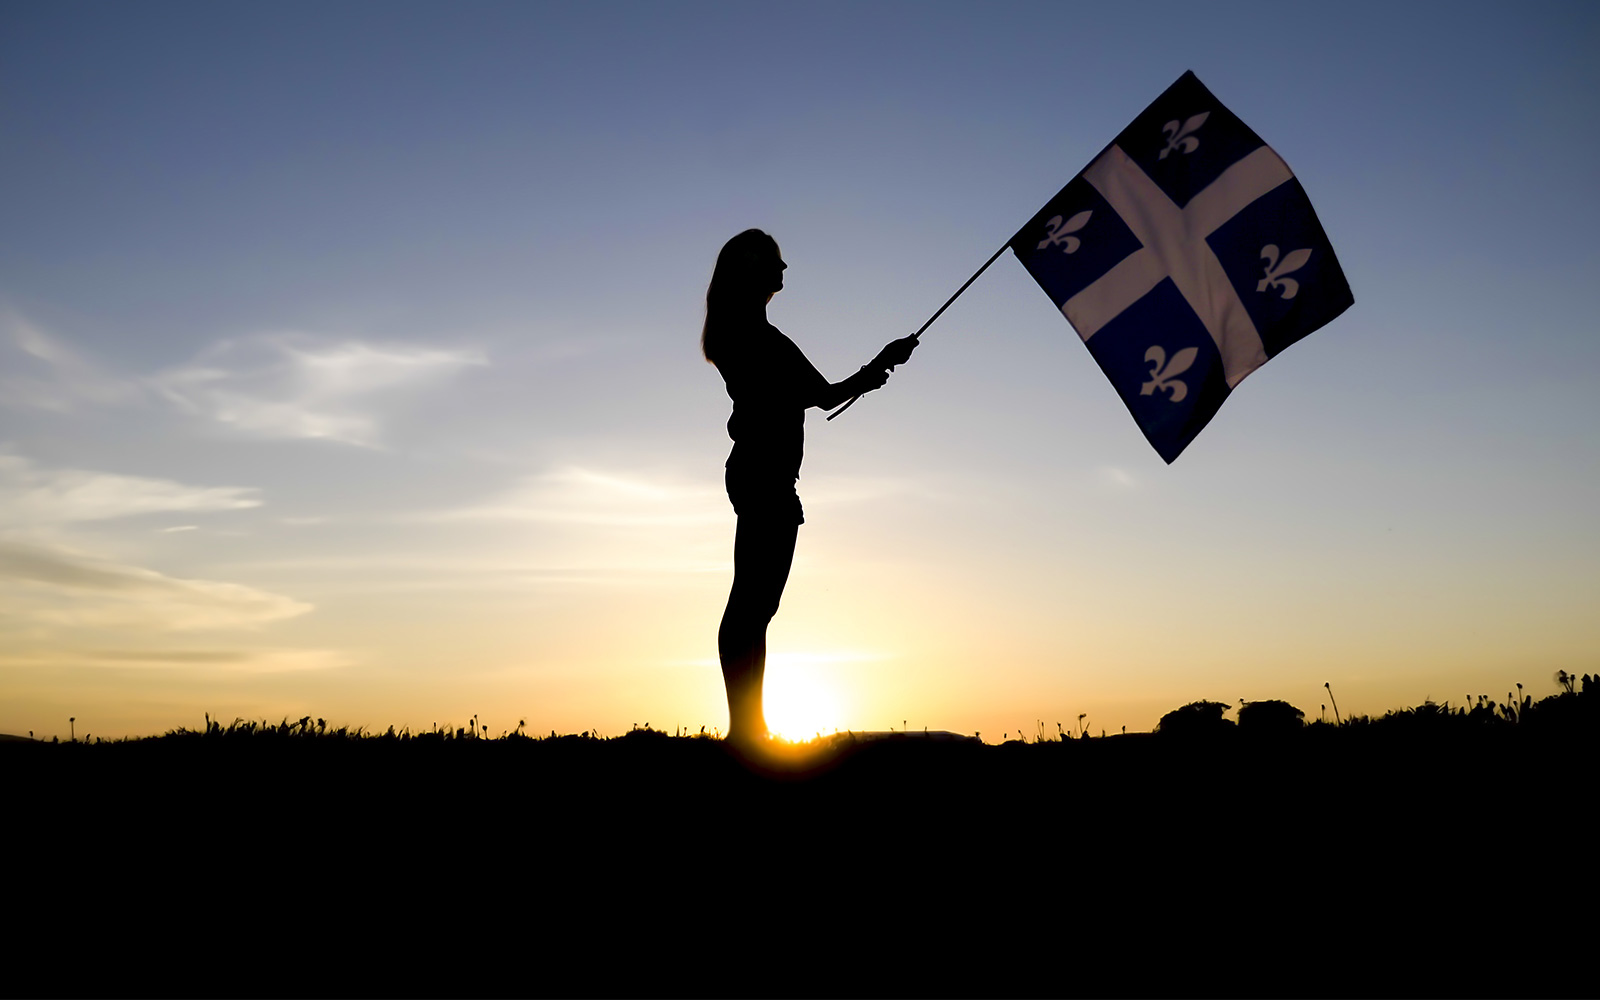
775 340
753 343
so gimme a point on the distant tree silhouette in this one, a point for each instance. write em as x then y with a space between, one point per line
1270 716
1194 719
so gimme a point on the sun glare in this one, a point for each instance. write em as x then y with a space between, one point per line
801 699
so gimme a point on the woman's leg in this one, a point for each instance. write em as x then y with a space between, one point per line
763 552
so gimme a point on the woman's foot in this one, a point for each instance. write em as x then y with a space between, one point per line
748 742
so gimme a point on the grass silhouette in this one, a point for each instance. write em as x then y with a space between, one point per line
1392 854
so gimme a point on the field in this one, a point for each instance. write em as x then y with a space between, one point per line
1431 851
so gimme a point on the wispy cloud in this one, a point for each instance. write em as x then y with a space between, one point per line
254 661
302 386
823 491
1116 478
58 586
580 496
39 371
33 495
274 385
798 659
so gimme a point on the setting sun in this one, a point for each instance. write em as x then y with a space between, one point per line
803 698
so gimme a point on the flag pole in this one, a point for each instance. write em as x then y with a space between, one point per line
851 402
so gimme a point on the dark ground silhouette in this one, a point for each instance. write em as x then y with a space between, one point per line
1431 851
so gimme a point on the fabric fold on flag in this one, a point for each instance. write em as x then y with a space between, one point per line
1186 255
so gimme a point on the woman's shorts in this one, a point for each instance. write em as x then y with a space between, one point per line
764 496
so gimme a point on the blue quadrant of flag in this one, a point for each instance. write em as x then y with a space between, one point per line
1185 255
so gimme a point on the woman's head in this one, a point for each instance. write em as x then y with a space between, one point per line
749 272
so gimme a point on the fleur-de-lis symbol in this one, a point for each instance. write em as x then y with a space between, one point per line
1183 139
1273 277
1164 373
1056 232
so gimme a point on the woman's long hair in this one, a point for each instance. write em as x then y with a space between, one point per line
737 295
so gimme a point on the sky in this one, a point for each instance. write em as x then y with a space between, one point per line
349 366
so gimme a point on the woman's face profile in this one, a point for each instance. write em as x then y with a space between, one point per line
772 270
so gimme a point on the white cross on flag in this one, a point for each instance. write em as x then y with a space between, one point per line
1185 255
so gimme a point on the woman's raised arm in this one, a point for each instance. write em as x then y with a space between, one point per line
872 375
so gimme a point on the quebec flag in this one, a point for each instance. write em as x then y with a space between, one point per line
1185 255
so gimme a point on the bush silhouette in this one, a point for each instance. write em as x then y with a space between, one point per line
1195 718
1270 716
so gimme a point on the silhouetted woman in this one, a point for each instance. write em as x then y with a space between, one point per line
772 385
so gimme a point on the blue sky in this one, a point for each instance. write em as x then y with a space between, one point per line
347 363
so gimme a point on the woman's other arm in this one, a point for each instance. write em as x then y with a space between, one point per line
863 381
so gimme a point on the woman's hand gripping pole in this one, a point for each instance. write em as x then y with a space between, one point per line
896 352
